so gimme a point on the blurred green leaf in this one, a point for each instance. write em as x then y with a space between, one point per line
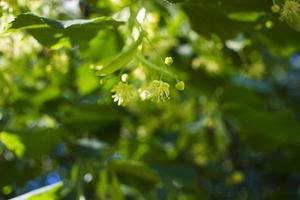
245 16
275 128
49 32
116 188
102 184
122 59
86 80
179 176
135 173
239 111
47 192
39 142
13 143
175 1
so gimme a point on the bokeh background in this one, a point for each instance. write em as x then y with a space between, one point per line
232 133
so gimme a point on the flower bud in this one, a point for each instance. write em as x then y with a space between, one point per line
275 8
124 78
180 86
169 61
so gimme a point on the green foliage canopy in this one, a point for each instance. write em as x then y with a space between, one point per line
208 95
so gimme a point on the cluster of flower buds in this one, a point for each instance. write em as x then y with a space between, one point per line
290 11
156 90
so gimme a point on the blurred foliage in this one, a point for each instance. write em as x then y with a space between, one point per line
160 99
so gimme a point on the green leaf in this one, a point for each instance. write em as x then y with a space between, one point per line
39 142
102 184
86 80
116 188
253 120
12 142
183 174
153 66
135 173
45 95
48 31
175 1
122 59
226 6
245 16
47 192
228 18
219 16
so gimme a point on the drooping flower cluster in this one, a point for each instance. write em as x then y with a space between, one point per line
290 10
123 93
275 8
156 91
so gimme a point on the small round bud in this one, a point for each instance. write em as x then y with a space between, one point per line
169 61
124 78
237 177
275 8
180 86
269 24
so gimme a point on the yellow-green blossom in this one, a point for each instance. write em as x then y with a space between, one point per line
157 91
290 10
275 8
169 60
123 93
180 86
124 78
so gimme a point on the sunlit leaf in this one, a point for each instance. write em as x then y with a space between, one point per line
116 188
13 143
48 192
135 173
49 31
122 59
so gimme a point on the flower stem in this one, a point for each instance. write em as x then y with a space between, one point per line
155 67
